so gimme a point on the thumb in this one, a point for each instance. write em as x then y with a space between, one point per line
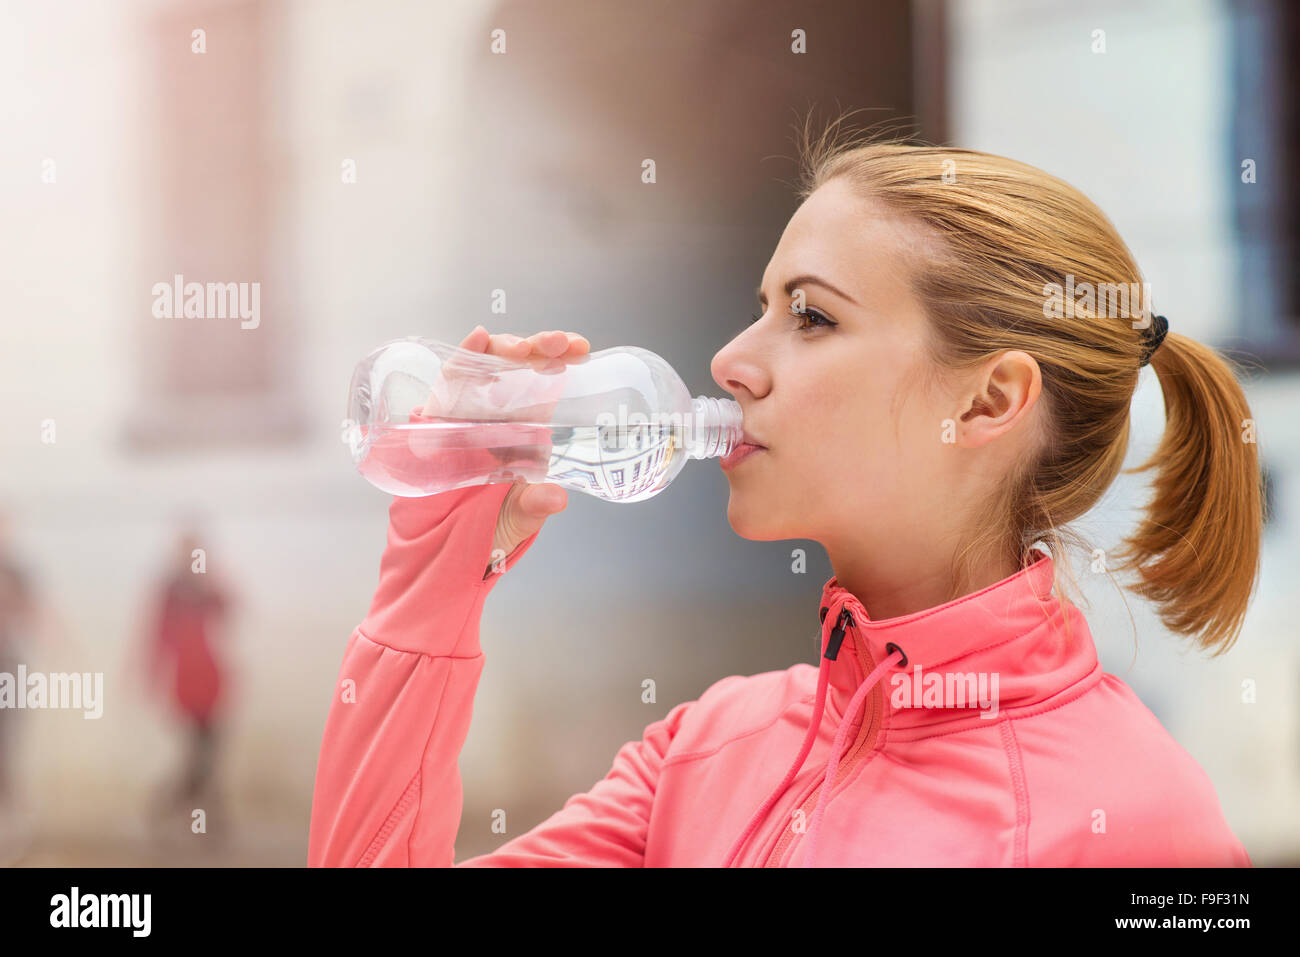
526 509
538 501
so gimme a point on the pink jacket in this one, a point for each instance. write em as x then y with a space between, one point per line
979 732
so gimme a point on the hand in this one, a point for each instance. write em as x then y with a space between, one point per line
527 505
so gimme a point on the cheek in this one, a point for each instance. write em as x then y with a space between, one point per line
840 443
853 428
877 439
922 452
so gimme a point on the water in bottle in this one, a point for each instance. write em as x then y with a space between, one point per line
619 424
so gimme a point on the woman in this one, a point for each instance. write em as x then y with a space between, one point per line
916 364
186 670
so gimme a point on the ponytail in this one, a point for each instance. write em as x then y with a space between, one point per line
1196 553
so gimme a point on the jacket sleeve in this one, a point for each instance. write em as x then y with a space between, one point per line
388 788
606 826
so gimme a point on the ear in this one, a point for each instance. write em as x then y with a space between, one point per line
1001 395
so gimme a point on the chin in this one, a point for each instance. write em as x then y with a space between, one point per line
749 522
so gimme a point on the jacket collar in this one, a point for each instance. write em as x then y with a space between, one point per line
1037 645
1011 645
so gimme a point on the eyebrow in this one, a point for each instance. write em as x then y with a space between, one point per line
798 281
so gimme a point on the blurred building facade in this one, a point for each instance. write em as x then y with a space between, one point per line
379 171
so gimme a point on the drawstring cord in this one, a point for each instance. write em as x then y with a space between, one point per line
761 813
819 706
823 677
833 764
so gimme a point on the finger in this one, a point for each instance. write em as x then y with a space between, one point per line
456 372
578 346
477 340
537 501
525 511
549 344
509 346
560 348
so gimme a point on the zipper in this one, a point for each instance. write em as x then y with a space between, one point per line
861 746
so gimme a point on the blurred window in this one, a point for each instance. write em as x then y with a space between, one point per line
223 376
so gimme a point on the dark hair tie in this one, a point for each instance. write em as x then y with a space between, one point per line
1152 336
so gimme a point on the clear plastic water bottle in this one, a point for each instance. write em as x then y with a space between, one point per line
425 417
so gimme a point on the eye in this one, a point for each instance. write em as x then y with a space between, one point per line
811 319
808 319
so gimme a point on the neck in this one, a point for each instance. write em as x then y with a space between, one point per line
900 585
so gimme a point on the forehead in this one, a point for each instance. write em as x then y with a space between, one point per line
854 242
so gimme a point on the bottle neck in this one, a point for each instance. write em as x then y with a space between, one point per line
716 427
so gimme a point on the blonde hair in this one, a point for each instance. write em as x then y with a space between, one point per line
1003 233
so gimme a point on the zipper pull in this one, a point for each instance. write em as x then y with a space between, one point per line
837 634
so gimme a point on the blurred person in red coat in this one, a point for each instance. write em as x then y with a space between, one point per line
190 608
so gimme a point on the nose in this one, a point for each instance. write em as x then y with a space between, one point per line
737 368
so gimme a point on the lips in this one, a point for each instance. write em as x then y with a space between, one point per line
741 452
